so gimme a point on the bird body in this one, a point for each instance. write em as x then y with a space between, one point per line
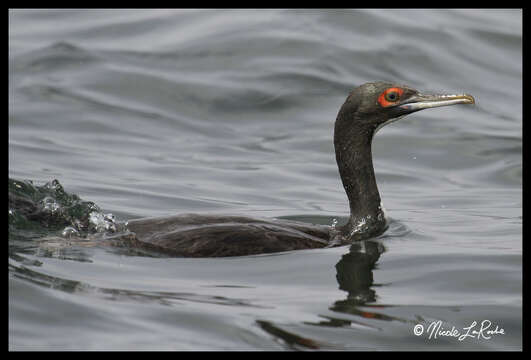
367 108
196 235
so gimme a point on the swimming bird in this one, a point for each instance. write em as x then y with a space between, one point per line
366 109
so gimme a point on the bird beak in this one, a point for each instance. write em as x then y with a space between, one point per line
422 101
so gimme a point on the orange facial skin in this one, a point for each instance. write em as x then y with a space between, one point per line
382 100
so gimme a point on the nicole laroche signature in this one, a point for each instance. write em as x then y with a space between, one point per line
483 330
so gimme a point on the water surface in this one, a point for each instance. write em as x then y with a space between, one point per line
159 112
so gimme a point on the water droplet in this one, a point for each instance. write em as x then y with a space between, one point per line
69 232
50 205
100 222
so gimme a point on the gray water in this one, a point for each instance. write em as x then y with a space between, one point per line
160 112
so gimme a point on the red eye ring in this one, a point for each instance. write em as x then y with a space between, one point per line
384 97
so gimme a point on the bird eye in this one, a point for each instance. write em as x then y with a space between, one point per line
390 96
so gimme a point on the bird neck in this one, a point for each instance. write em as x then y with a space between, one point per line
354 159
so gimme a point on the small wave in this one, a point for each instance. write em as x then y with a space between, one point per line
48 209
56 56
396 229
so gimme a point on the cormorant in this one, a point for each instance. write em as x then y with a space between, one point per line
366 109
